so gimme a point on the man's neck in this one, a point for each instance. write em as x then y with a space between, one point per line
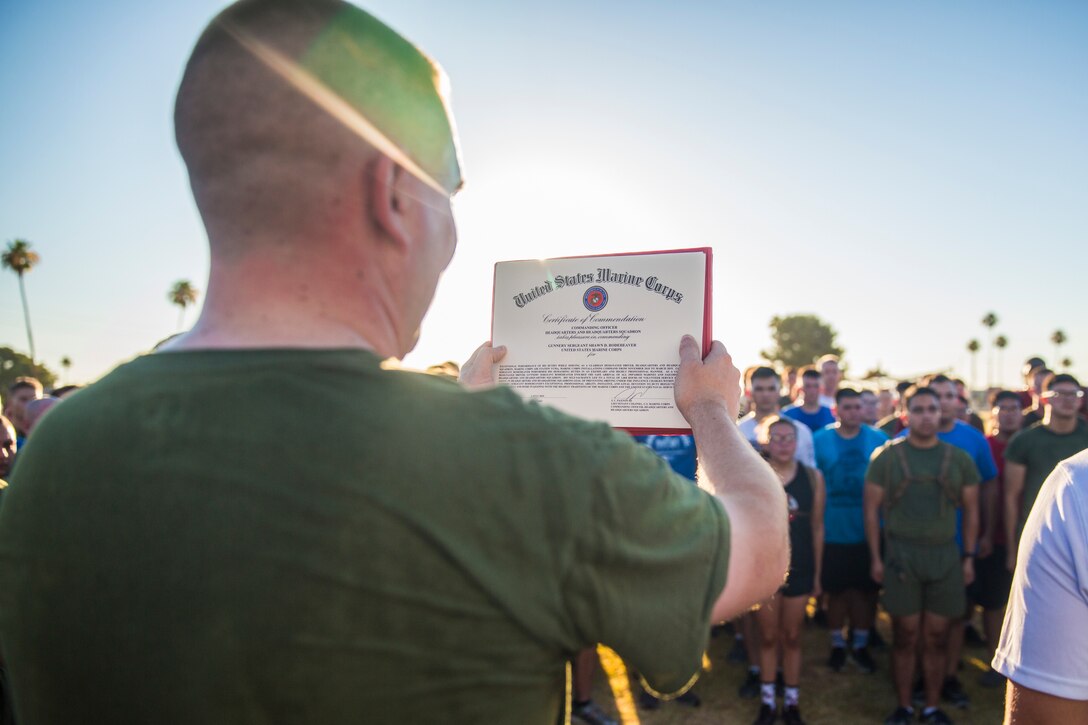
811 406
922 442
848 432
285 313
762 415
1002 436
1059 424
947 426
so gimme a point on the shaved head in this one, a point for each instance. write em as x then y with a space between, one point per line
283 105
35 409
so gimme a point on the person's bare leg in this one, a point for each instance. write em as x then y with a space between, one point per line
934 661
954 645
992 619
751 639
583 667
790 619
836 610
867 601
767 619
904 644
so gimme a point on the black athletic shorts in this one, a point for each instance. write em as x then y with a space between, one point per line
993 580
798 583
846 566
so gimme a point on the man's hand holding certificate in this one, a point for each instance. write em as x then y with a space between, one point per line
597 336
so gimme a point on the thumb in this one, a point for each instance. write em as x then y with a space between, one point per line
689 350
498 353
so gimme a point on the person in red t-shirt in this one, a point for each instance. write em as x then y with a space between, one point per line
992 577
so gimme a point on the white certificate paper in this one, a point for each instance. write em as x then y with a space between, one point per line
599 336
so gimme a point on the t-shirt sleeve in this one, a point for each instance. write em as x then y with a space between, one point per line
877 473
649 566
806 453
984 459
1016 451
968 469
1044 642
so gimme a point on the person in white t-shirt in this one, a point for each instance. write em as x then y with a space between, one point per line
762 388
1044 642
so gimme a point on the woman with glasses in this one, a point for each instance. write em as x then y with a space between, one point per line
780 617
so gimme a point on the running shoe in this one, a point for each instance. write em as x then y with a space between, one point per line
646 701
864 660
750 687
837 660
937 717
738 653
791 715
767 715
901 716
952 692
591 714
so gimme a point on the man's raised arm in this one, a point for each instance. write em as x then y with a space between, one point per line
707 392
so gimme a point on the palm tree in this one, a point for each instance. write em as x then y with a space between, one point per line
973 347
1058 338
182 294
1001 342
990 322
66 363
20 259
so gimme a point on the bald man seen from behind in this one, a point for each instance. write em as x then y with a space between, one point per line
292 532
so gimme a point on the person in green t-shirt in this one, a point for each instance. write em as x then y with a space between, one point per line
266 522
918 482
1034 452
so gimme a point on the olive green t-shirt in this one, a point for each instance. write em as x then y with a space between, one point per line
291 536
926 511
1039 450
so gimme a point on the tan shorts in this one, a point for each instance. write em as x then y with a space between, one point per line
922 577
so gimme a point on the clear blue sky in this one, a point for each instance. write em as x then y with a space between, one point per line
899 169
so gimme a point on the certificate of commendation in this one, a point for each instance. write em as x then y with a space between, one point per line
598 337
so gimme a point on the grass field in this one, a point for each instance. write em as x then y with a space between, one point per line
826 697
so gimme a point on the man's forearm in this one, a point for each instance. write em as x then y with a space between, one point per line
970 528
730 468
872 533
1012 514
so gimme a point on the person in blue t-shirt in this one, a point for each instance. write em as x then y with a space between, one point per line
842 455
955 431
677 450
810 412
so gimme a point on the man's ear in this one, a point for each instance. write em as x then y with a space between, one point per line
386 207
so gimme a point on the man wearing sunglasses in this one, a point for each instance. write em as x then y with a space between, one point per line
1034 452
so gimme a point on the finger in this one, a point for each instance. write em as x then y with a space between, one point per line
717 350
689 350
498 353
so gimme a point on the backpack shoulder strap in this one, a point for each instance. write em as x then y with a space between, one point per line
942 478
901 489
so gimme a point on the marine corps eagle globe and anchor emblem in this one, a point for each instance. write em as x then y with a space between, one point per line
595 299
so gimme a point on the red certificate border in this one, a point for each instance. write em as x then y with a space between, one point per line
707 310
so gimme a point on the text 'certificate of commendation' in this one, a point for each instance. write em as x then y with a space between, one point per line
598 337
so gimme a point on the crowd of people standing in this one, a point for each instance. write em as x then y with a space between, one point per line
263 522
903 499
